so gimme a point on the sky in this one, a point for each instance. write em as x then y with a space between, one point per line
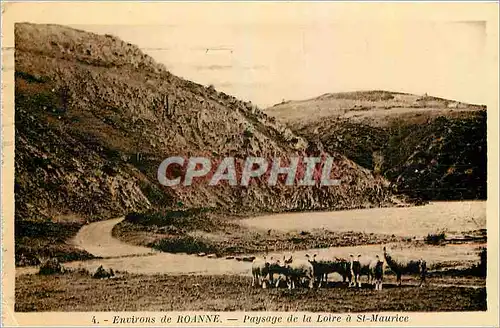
267 52
269 63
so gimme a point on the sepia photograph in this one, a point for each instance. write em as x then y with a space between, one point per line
279 158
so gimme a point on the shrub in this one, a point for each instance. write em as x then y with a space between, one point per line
192 218
248 133
103 273
51 266
26 259
184 244
435 239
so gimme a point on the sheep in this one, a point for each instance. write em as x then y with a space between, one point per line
269 269
321 269
297 269
260 269
358 267
372 267
343 267
324 267
276 267
378 273
406 267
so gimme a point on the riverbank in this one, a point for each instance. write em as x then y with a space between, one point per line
205 232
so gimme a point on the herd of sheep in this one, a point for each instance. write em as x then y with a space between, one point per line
310 270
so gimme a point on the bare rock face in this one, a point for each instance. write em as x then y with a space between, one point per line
95 117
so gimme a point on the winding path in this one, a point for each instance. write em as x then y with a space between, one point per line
96 238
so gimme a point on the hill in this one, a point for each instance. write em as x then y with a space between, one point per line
375 108
429 148
95 117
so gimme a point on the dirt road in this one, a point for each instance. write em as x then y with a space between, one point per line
96 238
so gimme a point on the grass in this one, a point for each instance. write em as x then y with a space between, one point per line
36 240
127 292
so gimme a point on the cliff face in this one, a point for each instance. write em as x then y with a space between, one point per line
95 117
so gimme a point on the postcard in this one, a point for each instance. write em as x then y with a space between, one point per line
251 164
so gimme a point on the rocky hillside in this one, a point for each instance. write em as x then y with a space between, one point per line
429 148
443 160
94 119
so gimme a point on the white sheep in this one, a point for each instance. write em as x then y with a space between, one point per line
400 267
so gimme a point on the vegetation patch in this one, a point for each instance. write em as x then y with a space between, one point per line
38 240
184 244
435 239
185 219
444 160
51 266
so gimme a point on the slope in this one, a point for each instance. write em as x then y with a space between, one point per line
428 147
94 119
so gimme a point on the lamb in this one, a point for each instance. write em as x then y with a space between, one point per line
372 267
260 269
400 267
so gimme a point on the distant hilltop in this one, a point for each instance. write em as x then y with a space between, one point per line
376 107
